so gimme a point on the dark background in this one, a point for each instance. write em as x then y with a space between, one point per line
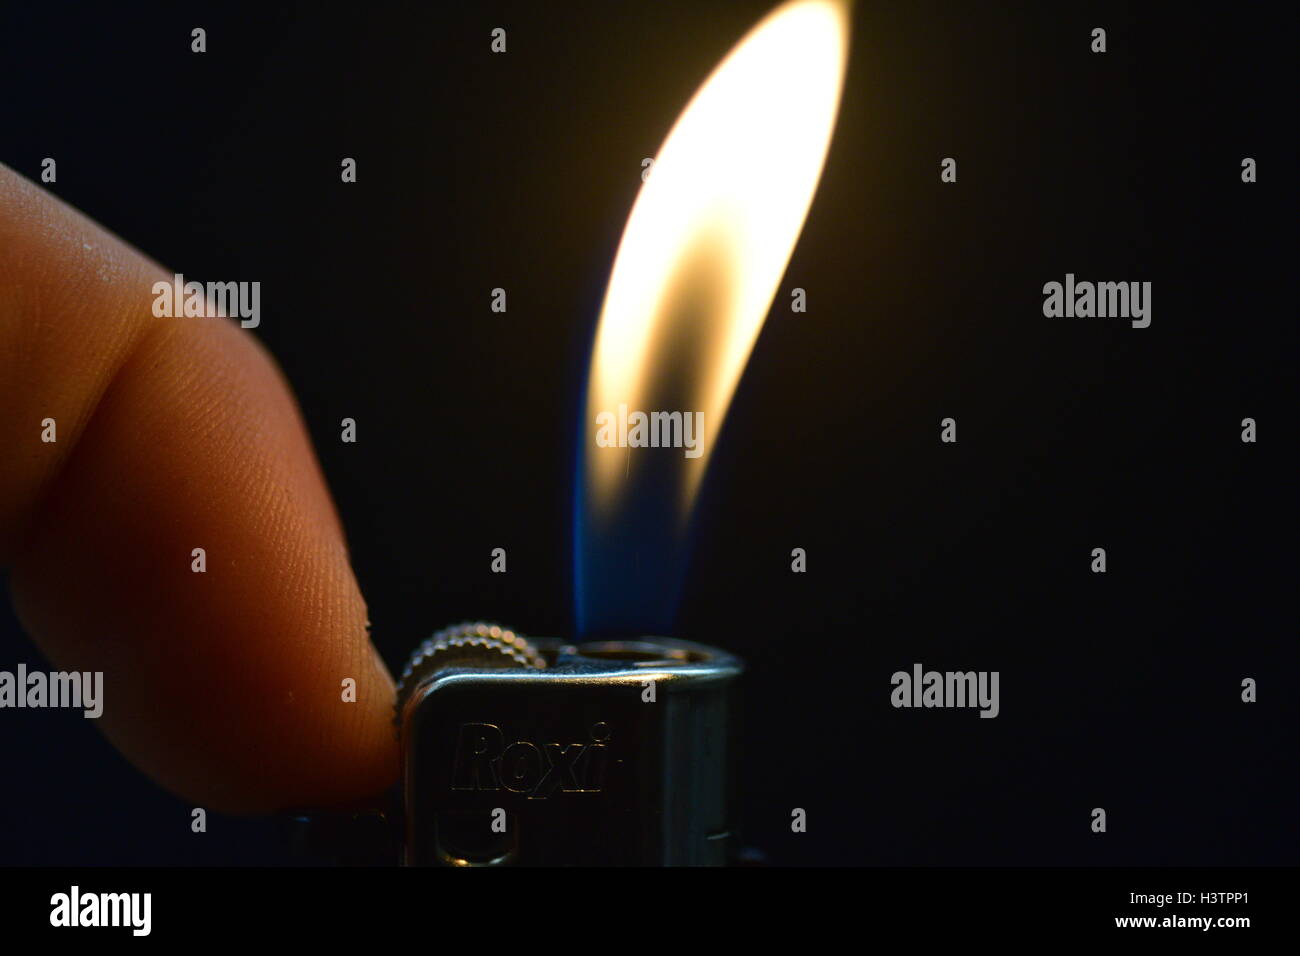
924 301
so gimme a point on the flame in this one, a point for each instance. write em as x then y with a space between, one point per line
711 234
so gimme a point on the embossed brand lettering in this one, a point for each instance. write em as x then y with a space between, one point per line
484 761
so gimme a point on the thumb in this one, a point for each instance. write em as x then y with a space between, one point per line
226 684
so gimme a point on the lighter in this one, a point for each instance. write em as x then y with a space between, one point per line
539 752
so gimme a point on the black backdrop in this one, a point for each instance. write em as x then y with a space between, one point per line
475 171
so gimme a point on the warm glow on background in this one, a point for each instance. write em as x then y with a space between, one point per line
711 233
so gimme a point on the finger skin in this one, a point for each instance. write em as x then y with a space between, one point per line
225 686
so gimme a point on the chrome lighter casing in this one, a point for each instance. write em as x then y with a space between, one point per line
613 753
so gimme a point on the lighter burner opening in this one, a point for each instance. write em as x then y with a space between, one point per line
643 653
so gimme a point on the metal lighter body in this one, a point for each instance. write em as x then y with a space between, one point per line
544 753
